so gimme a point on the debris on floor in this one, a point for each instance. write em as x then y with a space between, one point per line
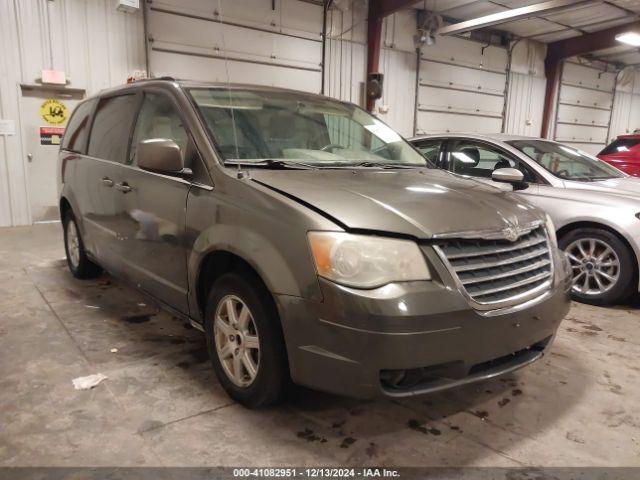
114 350
88 382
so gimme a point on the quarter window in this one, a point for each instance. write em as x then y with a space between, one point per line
112 128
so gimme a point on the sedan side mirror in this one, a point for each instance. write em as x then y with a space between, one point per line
510 175
161 155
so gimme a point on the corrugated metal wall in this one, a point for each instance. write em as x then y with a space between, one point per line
626 106
96 45
525 96
346 62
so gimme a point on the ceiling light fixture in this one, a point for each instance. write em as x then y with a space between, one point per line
630 38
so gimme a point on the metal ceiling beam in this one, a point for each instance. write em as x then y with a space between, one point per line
510 16
588 43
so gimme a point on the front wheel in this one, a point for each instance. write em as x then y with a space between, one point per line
77 260
245 340
602 265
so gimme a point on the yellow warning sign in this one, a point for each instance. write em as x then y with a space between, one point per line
54 112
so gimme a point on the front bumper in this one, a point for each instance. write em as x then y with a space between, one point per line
411 338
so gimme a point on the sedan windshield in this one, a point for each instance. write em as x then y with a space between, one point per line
565 162
281 129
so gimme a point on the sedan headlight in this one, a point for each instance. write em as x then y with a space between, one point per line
551 231
365 261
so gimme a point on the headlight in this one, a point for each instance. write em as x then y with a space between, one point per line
551 231
365 261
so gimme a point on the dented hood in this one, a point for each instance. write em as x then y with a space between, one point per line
416 202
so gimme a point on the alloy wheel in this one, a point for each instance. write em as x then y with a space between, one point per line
236 340
595 266
73 244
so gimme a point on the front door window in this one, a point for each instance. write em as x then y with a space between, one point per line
479 160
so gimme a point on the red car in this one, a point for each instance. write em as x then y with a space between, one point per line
624 154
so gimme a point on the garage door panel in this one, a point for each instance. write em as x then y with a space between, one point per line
440 74
436 122
588 77
257 14
465 52
202 36
279 47
213 69
469 102
584 116
581 96
573 133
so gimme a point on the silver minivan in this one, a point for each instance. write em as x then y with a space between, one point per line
308 240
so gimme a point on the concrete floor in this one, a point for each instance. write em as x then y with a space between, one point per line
162 405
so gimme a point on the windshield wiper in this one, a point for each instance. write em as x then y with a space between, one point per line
385 165
275 164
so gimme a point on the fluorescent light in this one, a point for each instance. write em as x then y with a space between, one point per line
630 38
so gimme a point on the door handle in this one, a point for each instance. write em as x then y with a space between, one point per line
107 181
123 187
29 157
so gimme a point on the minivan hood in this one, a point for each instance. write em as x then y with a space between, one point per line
416 202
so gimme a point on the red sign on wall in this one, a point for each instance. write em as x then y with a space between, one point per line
51 135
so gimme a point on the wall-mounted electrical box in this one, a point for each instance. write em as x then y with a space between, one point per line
129 6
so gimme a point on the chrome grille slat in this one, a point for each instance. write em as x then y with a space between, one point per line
526 281
477 253
497 272
512 273
499 261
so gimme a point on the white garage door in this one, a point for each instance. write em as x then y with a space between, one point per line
584 107
266 42
461 87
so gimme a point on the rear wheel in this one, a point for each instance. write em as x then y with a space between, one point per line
77 260
603 266
245 340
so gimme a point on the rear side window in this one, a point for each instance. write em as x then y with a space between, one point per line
112 127
620 145
77 131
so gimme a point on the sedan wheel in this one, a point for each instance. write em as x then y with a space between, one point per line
596 266
237 342
603 266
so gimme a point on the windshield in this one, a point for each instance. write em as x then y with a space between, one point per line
254 126
565 162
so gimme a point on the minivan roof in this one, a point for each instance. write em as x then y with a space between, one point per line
178 83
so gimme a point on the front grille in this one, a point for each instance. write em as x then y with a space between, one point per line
497 271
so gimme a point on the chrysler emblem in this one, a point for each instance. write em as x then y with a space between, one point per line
510 233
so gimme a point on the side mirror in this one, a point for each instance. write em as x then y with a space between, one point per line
162 156
510 175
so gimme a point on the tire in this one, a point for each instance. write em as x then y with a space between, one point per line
617 263
261 327
77 260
